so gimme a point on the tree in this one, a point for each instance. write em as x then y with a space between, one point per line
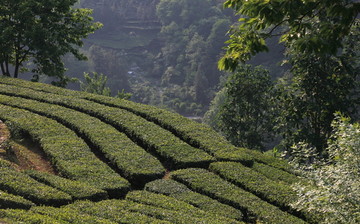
337 193
41 32
245 116
308 26
319 87
95 84
318 36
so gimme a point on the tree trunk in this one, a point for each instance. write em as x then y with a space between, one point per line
3 70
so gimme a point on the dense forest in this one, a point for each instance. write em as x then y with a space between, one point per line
163 52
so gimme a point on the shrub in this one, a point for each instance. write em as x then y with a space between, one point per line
337 192
4 163
70 154
114 210
133 162
78 190
276 193
162 201
69 215
18 183
145 133
208 183
23 216
14 201
197 135
181 192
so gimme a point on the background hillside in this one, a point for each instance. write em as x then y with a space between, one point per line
165 52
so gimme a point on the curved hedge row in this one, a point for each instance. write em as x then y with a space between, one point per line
276 193
28 217
134 162
78 190
21 184
165 202
181 192
145 133
14 201
85 134
275 174
69 215
208 183
70 154
198 135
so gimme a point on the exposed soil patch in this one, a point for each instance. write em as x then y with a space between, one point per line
24 154
167 175
30 156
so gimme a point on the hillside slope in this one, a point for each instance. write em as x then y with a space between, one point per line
142 164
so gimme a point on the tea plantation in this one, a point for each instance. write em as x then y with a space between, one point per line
117 161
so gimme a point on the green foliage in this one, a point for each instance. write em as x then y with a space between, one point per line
320 86
4 163
208 183
21 184
122 211
193 35
246 113
195 134
60 120
181 192
69 154
123 95
141 131
42 32
95 84
275 174
310 27
78 190
321 38
134 162
14 201
69 215
183 208
337 194
275 192
23 216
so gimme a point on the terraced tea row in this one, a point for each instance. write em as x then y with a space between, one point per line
182 193
195 134
138 207
147 134
69 154
16 183
205 182
84 135
134 162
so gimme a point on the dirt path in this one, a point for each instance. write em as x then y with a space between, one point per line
25 153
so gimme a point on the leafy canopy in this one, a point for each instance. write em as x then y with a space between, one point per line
337 192
41 32
308 26
243 110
